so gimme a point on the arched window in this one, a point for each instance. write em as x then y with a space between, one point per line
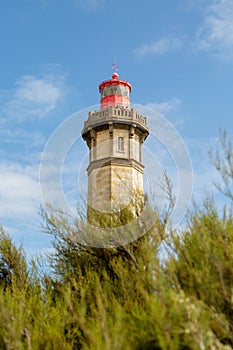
126 92
119 90
114 89
120 144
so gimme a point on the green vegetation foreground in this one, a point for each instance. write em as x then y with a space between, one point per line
126 297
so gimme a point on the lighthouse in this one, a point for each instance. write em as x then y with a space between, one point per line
114 135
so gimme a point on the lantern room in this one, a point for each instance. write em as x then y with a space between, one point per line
115 92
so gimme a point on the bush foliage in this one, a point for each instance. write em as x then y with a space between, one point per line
125 297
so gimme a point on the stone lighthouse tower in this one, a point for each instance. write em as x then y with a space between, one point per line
114 135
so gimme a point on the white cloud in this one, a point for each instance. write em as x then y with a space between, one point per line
20 136
192 4
19 191
164 107
159 47
204 172
90 5
216 34
37 91
33 97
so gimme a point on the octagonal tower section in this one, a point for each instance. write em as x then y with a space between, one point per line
114 136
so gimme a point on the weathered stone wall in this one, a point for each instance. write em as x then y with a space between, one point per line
107 146
112 187
103 144
115 174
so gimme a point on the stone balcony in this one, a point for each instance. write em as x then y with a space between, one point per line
115 115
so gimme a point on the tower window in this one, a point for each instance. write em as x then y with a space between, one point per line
119 90
120 144
114 89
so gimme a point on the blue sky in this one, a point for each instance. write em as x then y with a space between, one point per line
178 56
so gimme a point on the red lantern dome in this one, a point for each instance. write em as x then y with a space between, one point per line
115 92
